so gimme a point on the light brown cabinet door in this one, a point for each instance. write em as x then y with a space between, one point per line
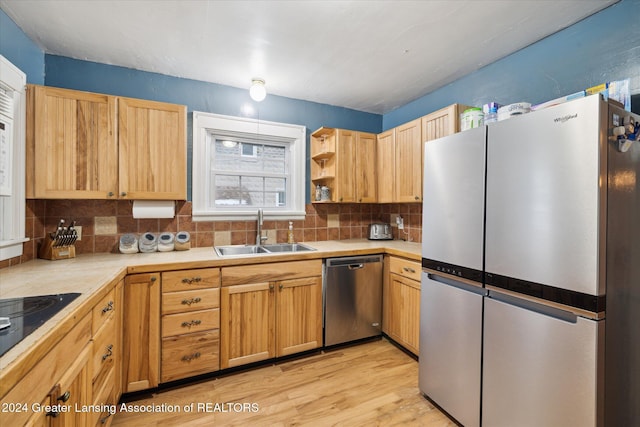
386 166
247 318
408 159
440 123
72 147
73 391
345 167
141 332
366 185
152 150
404 312
298 315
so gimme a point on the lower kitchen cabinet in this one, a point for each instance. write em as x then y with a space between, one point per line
61 377
107 354
270 310
190 323
141 332
401 302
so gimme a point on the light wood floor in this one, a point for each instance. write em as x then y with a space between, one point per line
372 384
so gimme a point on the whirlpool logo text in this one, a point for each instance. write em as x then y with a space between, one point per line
566 118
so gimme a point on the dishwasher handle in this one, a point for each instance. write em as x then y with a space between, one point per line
356 266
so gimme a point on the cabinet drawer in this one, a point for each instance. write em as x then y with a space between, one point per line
406 268
256 273
188 355
104 398
105 348
178 302
185 280
192 321
103 311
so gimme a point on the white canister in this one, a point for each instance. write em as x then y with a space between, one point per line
471 118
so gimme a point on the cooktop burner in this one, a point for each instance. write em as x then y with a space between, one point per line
28 314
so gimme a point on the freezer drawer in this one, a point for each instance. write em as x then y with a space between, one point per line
450 347
540 368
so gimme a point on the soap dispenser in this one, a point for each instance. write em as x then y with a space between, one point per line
290 233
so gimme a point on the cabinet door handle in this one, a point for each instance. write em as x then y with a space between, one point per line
191 323
409 269
66 396
192 280
154 278
190 357
417 197
105 418
191 301
110 194
270 287
109 352
123 194
107 308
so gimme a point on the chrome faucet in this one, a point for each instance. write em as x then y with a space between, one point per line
259 237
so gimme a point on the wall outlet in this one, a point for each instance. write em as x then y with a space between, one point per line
397 221
78 229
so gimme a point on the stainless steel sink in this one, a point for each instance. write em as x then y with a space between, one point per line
235 250
239 250
288 247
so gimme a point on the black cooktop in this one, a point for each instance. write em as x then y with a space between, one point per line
28 314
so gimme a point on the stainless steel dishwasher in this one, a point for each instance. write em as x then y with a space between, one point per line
352 298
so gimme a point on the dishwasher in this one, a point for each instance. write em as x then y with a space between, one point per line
352 298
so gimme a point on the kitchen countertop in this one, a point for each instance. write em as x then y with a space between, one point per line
93 275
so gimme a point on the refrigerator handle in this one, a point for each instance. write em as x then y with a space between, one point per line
469 286
539 308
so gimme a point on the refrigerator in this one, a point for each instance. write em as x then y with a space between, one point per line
559 305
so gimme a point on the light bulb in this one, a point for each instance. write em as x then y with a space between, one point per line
257 91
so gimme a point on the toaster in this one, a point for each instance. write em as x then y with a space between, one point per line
380 231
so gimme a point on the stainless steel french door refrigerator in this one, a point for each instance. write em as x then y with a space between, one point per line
560 306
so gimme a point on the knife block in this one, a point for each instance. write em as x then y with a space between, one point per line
51 252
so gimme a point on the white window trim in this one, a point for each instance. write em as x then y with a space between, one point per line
12 208
203 123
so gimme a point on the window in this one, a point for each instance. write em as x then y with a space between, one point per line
241 165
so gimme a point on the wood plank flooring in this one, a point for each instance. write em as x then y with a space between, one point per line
371 384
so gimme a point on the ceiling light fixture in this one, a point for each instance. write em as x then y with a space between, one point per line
257 91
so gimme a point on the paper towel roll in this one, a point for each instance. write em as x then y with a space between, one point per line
154 209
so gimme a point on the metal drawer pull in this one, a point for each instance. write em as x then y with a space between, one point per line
192 280
190 357
191 323
409 269
108 307
109 352
191 301
66 396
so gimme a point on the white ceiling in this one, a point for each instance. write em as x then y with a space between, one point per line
372 56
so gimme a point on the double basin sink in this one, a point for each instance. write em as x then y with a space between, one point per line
234 250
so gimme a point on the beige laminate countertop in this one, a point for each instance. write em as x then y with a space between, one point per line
93 275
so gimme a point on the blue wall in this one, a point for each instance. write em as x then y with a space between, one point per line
601 48
20 50
200 96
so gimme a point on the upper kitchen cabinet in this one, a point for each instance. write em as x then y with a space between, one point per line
72 145
408 153
400 154
83 145
344 161
152 154
442 122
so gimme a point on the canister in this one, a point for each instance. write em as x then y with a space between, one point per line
471 118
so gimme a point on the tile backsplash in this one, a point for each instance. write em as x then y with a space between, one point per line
104 221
